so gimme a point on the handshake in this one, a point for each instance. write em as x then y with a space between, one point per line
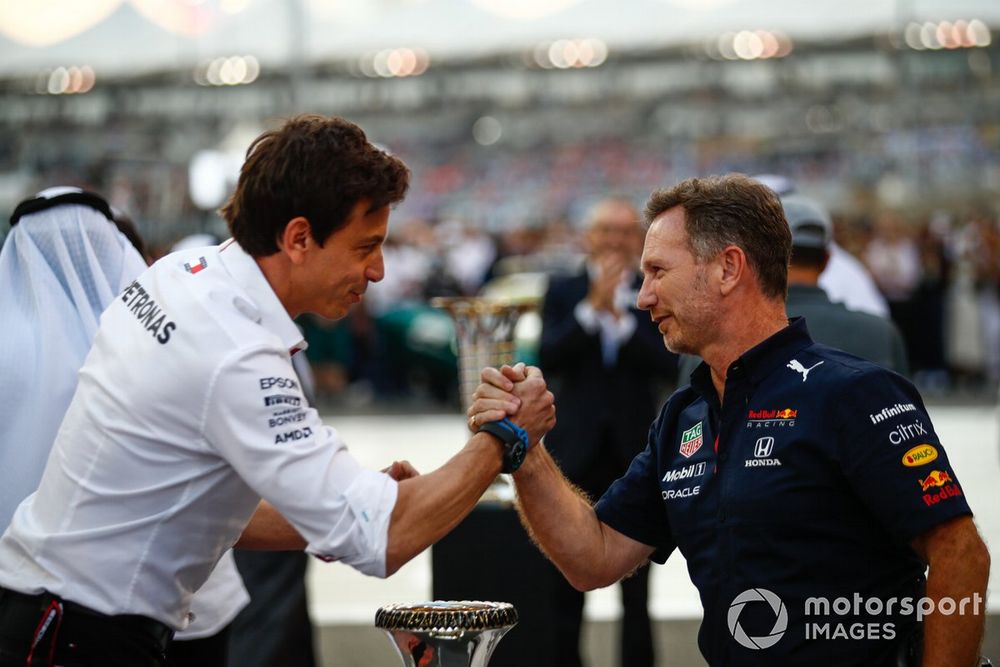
516 392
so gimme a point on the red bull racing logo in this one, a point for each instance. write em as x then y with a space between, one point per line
784 417
938 479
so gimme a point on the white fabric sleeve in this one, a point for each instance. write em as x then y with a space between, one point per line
258 420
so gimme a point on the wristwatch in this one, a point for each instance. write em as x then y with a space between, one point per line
514 440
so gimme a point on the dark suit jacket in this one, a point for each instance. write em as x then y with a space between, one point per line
598 406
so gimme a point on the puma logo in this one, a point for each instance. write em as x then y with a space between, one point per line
799 368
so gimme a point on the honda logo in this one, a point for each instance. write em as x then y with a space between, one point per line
764 447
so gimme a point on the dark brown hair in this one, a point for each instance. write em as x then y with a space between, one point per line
313 166
732 210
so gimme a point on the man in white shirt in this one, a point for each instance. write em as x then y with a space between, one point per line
187 413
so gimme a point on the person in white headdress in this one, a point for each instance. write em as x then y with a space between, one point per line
62 263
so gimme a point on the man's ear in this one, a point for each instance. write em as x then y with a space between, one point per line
733 265
296 239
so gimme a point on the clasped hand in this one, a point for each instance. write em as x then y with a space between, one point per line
518 392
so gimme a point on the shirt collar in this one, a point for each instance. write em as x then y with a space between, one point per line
760 360
773 352
270 313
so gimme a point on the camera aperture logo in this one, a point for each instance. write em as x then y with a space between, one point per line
780 618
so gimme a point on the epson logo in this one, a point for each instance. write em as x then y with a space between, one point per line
693 470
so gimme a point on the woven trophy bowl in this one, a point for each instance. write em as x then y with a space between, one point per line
447 617
445 633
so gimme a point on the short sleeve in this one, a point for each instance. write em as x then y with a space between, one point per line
633 507
259 421
893 458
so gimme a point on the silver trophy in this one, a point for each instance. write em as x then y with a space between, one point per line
485 331
446 634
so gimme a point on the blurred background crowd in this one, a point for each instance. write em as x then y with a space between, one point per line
515 117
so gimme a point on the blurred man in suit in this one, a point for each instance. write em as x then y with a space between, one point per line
604 360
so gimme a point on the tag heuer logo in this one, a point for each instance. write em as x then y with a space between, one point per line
691 440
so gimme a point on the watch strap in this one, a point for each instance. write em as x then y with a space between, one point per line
514 439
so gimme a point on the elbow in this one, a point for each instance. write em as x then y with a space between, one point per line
973 554
979 557
394 560
586 581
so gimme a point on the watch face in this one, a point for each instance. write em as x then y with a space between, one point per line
517 454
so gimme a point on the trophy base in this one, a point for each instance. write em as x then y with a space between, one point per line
500 492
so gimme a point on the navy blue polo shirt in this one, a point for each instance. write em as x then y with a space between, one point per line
794 503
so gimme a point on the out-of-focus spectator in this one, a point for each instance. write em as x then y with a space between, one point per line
927 345
987 265
61 268
468 253
893 257
862 334
974 300
964 350
604 361
844 279
409 264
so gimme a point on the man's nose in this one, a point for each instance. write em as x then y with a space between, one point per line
376 270
646 298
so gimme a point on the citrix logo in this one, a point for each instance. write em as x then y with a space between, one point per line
904 432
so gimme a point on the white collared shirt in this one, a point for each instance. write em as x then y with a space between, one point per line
614 331
187 412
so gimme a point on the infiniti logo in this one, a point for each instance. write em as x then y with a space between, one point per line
780 618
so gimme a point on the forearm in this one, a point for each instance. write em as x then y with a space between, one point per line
959 573
562 522
268 530
954 640
429 506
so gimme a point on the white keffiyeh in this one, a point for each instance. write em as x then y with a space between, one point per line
59 269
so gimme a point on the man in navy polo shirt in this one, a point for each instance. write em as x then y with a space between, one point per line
806 488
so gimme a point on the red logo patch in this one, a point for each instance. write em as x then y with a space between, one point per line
195 268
